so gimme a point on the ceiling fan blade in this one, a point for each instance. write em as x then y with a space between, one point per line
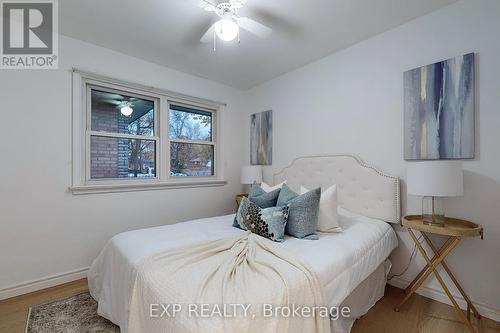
209 35
237 3
111 101
204 4
254 27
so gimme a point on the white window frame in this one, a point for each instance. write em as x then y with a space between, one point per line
92 85
82 183
213 142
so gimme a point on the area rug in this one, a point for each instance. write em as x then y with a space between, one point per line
76 314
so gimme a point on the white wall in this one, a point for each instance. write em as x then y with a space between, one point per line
348 102
44 230
352 102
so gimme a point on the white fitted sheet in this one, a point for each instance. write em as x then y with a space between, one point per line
341 260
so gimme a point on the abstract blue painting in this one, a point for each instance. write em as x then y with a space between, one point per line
439 110
261 138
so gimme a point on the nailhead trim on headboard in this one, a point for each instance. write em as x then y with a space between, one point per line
393 216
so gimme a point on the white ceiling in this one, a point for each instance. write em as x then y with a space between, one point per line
167 32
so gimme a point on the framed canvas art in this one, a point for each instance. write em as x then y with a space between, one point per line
439 110
261 138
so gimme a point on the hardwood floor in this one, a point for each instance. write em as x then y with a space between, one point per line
418 315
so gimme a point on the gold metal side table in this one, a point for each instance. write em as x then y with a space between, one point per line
455 229
238 198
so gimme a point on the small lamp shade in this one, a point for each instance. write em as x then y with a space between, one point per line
250 174
435 178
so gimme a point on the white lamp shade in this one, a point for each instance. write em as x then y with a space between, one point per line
251 173
435 178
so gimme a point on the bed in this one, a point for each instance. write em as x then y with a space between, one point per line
351 266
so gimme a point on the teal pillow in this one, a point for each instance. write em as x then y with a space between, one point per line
262 198
266 222
303 212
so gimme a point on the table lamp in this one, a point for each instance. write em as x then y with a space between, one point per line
434 180
251 174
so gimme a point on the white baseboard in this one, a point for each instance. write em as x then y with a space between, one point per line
45 282
439 295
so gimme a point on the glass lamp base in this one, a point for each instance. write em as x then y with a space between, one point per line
433 211
435 220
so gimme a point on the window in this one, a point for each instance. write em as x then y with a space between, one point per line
191 142
122 145
136 137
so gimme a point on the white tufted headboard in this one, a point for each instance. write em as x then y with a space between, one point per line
361 188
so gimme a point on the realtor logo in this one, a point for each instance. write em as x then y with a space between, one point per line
29 34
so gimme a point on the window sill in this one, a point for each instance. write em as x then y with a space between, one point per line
113 188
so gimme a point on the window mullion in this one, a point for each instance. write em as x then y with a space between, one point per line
164 144
193 142
123 135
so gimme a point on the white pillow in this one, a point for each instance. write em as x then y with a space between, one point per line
268 188
328 220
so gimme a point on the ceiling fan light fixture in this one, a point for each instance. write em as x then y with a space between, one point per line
226 29
126 110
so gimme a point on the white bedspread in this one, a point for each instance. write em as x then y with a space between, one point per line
341 260
246 270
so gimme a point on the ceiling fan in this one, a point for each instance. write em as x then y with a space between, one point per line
122 103
227 28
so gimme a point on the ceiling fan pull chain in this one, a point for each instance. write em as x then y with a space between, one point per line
215 41
236 13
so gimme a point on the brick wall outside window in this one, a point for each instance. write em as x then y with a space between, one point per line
109 156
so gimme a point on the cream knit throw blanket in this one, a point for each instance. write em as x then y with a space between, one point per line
228 285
